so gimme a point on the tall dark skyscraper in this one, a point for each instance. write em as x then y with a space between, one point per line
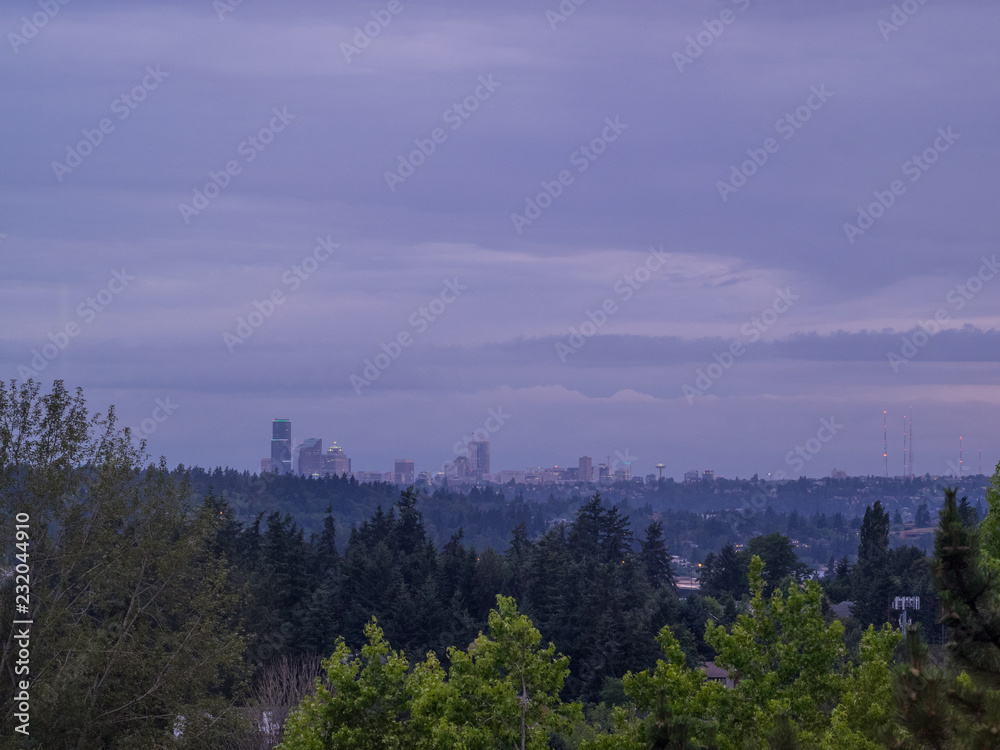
479 458
311 458
281 446
404 471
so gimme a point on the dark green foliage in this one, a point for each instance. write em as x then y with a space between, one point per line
664 731
655 557
724 573
936 709
785 735
872 588
837 582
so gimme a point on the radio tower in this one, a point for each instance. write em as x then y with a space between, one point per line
885 443
905 467
959 456
911 442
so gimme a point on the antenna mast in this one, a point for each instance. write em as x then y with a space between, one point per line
911 443
905 467
885 443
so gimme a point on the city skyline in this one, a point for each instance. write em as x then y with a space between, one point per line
464 466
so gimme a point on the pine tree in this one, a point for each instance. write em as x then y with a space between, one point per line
936 709
655 557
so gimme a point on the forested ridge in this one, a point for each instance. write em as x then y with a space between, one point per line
167 617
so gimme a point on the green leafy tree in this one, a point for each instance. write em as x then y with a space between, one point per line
502 692
136 628
505 687
362 704
793 684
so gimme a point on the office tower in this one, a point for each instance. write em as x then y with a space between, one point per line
265 465
335 462
281 446
690 477
708 475
586 471
311 457
479 458
404 471
461 467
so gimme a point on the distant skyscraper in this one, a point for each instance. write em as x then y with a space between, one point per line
311 458
479 458
461 467
281 446
708 475
586 473
335 462
404 471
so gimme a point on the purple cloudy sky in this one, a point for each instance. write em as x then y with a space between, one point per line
863 97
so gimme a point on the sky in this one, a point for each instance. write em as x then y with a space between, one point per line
707 234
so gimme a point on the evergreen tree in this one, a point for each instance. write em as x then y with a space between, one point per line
724 573
936 709
871 585
655 557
